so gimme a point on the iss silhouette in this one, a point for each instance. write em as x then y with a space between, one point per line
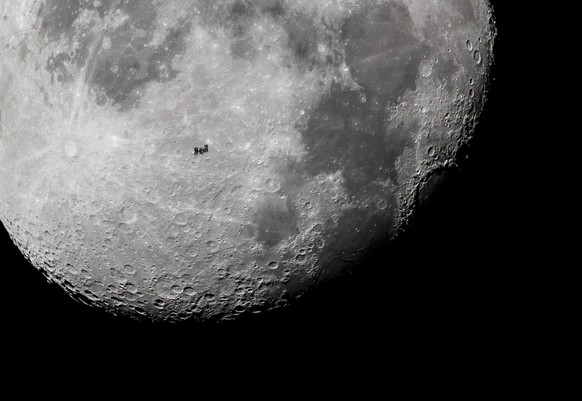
200 151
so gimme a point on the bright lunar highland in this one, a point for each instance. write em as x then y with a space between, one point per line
194 159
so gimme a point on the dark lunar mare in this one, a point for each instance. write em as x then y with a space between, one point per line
348 131
119 72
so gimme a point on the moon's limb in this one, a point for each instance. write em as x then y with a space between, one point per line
322 119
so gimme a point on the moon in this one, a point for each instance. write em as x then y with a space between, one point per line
190 160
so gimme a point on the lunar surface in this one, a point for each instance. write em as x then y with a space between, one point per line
174 160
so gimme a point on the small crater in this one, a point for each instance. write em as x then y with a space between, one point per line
249 231
127 215
189 291
213 246
382 205
167 288
477 57
317 228
129 269
272 185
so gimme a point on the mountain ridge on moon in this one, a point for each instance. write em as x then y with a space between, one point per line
324 121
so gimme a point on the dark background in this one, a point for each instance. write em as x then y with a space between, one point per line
453 283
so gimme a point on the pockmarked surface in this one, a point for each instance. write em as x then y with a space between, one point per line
178 159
